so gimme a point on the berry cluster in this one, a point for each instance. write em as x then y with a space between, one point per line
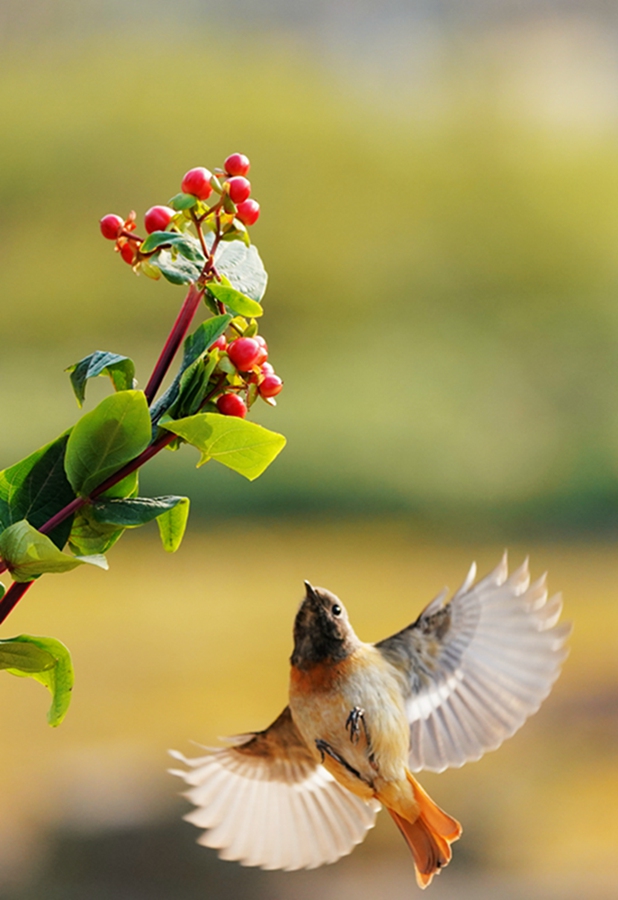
233 211
241 370
251 375
115 228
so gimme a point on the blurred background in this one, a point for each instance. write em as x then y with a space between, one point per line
439 190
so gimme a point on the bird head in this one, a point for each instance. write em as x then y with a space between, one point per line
322 631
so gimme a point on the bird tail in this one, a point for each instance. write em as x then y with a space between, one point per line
429 837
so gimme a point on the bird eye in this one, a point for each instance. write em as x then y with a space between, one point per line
336 610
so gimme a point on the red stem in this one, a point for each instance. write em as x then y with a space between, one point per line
175 339
56 520
18 589
118 476
12 597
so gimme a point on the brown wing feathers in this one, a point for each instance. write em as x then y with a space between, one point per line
266 802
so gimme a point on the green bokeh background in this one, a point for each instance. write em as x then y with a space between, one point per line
440 223
442 303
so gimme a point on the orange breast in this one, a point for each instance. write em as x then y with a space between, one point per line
319 678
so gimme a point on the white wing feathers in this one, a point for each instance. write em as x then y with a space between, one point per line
475 668
265 802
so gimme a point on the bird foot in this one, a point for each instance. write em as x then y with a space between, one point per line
357 715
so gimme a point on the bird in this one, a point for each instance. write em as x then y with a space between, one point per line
363 718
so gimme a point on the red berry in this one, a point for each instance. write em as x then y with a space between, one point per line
244 352
220 343
158 218
267 369
231 405
239 189
111 226
237 164
127 251
263 350
248 212
197 182
271 386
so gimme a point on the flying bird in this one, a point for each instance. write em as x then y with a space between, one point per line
363 717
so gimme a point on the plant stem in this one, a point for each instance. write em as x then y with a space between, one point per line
76 504
127 469
175 339
209 266
200 234
12 597
18 589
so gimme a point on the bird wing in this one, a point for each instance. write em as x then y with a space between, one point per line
476 667
266 802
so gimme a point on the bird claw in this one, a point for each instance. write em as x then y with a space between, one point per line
352 724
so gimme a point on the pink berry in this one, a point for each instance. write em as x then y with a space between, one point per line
237 164
244 352
111 226
271 386
127 251
158 218
248 212
197 182
220 343
239 189
232 405
267 369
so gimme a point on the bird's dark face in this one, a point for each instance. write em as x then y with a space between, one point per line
321 629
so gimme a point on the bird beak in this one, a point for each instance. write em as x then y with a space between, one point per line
311 594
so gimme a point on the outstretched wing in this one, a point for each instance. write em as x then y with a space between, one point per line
476 667
266 802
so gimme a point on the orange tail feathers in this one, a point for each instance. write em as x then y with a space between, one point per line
429 837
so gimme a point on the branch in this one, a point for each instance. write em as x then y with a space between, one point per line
12 597
175 339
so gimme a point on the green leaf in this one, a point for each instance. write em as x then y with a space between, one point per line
203 338
185 244
172 525
240 445
28 554
133 512
193 389
178 270
183 201
242 265
235 301
120 369
114 433
89 537
36 488
46 660
195 346
17 654
149 270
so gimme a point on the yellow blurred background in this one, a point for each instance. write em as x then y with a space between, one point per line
440 220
